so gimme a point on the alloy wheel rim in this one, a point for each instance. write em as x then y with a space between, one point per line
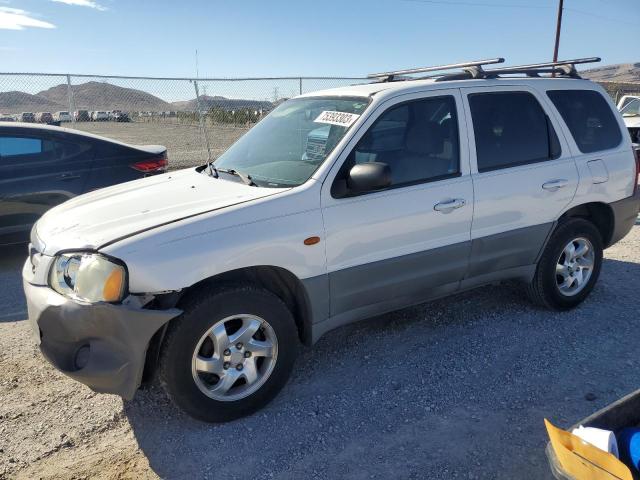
234 357
575 266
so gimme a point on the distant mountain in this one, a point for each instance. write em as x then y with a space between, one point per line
16 102
622 73
104 96
207 103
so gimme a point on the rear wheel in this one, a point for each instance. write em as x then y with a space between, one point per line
229 354
569 266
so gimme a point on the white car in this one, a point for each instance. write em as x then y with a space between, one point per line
629 106
99 116
213 276
62 117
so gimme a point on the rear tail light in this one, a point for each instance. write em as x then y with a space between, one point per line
152 165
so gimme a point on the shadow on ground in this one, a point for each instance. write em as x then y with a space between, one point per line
456 388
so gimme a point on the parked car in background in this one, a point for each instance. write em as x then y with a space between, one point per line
119 116
44 117
27 117
62 117
7 117
629 106
42 166
100 116
409 191
82 116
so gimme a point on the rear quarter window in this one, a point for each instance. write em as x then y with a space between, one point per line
16 146
589 118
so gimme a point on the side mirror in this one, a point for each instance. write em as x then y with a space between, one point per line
369 176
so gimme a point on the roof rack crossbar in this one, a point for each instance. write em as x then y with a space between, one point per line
471 66
564 67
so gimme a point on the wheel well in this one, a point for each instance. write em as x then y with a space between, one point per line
277 280
600 214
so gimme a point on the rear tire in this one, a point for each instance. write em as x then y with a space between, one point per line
229 353
569 266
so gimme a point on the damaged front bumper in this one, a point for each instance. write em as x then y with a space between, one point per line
101 345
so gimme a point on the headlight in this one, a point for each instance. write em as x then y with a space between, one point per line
88 276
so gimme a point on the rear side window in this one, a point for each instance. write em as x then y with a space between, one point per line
21 149
15 146
511 129
589 118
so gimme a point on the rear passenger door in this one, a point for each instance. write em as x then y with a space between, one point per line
523 176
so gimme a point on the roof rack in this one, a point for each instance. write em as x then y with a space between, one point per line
472 69
564 68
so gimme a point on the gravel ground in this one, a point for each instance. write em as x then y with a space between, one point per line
455 388
185 144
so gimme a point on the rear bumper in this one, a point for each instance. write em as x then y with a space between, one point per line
625 214
101 345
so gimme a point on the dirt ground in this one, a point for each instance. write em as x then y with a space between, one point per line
456 388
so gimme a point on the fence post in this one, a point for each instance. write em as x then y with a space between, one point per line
300 85
72 107
203 128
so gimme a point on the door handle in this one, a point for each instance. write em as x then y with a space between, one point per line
69 176
448 206
554 185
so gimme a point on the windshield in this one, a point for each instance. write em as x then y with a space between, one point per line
631 109
289 144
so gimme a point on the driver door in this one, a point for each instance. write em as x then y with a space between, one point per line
409 242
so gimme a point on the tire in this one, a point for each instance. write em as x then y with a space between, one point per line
549 288
189 383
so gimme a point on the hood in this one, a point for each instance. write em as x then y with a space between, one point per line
107 215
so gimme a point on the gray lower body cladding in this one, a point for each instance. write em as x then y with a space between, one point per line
113 338
366 290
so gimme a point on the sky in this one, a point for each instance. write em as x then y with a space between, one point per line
311 38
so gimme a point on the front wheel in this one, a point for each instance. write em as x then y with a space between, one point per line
569 266
229 354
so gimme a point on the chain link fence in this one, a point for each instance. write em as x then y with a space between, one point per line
195 119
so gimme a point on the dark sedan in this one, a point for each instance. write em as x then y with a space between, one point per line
43 166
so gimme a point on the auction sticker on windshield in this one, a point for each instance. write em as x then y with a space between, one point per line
343 119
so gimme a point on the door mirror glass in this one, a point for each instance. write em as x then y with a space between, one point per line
369 176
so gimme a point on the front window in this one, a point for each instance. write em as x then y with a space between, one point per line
289 144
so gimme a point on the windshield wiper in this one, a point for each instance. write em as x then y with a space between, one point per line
246 179
213 171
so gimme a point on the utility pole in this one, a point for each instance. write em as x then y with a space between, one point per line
558 28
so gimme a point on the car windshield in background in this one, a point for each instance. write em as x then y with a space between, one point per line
289 144
631 109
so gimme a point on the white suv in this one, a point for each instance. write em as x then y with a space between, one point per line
212 276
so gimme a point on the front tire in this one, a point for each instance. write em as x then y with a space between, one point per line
229 353
569 266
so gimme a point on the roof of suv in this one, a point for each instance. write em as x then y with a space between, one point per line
465 74
398 87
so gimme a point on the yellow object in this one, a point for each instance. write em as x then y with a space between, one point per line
581 460
113 285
